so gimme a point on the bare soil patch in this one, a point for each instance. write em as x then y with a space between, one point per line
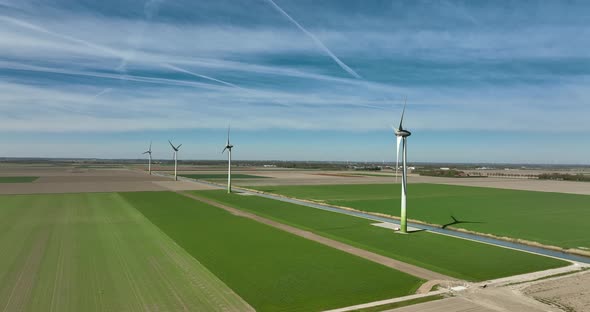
569 187
336 177
571 293
445 305
73 180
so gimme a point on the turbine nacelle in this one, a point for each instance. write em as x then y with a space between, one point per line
402 133
228 145
175 148
149 151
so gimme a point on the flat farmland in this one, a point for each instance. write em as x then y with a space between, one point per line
96 252
216 176
455 257
271 269
548 218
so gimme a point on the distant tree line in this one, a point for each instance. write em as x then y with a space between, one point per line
564 177
451 173
367 168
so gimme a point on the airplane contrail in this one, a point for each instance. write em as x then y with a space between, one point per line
107 90
182 70
317 41
161 81
37 28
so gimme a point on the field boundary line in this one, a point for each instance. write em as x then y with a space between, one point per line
388 301
371 256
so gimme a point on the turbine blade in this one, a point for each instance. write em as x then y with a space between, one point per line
224 150
399 141
178 147
174 148
150 146
145 152
403 113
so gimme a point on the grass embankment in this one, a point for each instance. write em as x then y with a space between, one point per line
213 176
447 255
18 179
96 252
271 269
548 218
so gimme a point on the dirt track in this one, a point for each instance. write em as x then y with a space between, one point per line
394 264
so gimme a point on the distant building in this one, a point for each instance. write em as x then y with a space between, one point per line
445 168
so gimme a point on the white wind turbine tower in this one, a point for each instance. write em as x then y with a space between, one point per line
149 152
401 136
175 148
228 147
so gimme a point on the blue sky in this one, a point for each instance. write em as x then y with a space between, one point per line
497 81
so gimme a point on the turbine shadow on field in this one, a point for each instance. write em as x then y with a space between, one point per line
455 221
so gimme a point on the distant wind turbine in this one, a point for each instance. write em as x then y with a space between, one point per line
149 152
175 148
228 147
401 136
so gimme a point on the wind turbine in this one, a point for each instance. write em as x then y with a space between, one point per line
402 135
149 152
228 147
175 148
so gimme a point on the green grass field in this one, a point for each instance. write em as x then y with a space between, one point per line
96 252
212 176
271 269
548 218
451 256
18 179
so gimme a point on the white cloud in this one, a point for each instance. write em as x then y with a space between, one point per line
120 54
